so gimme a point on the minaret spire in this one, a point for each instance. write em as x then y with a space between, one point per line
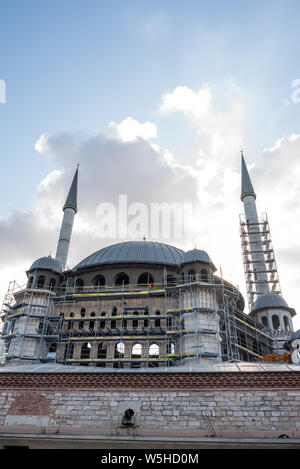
71 201
70 209
247 188
253 237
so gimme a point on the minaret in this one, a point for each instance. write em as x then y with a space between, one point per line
255 241
70 209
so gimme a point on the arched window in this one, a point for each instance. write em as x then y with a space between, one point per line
153 350
79 284
119 350
157 321
114 311
52 283
98 281
85 350
41 281
136 351
82 312
121 279
30 281
146 279
92 322
102 323
286 323
264 320
192 275
170 347
102 350
204 275
275 322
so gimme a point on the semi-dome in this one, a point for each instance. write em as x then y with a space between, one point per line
134 252
195 255
270 300
47 263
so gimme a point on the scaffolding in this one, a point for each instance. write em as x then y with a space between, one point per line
250 248
182 321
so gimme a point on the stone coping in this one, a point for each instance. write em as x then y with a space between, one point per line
225 367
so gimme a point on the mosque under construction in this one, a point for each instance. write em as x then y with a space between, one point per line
142 304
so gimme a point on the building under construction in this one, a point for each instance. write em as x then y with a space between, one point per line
147 304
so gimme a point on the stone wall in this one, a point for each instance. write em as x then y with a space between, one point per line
174 405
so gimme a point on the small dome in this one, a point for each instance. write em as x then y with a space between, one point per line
270 300
47 263
195 255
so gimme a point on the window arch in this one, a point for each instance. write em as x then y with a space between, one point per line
41 281
157 321
146 279
275 322
136 351
264 320
121 279
170 347
192 274
30 281
204 275
154 350
79 284
99 281
119 350
102 350
286 323
82 312
85 350
52 283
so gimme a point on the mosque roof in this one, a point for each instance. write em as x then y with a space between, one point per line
47 263
270 300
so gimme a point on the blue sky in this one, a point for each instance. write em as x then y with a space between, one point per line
79 65
74 69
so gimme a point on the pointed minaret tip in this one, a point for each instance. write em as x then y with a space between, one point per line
247 188
71 201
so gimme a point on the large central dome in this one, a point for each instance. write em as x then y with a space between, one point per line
134 252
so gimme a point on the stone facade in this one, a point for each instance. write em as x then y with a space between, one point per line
232 405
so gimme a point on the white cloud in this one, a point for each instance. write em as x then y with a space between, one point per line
129 130
124 160
41 144
195 105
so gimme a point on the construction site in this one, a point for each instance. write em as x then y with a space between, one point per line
133 326
142 304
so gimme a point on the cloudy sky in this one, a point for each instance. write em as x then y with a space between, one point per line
155 100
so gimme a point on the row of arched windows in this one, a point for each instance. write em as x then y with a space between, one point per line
276 322
121 279
204 276
113 313
41 282
119 349
102 323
